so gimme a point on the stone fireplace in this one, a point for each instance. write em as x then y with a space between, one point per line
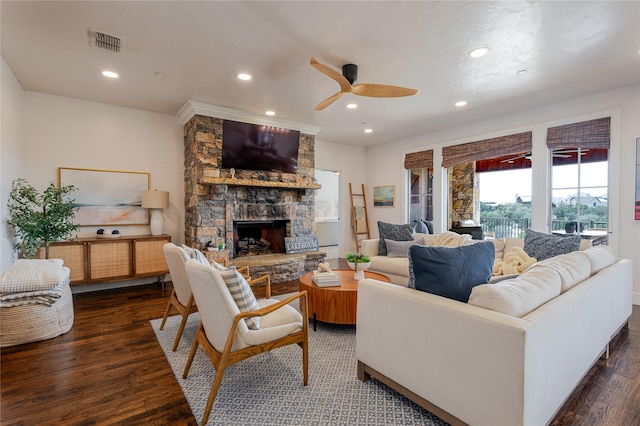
219 204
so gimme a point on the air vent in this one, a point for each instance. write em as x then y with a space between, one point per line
110 42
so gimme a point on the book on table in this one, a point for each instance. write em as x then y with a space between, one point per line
325 279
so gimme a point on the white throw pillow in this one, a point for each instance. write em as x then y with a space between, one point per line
196 254
519 296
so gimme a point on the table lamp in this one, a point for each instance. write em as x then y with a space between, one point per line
155 200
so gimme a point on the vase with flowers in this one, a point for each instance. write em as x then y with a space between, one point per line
359 263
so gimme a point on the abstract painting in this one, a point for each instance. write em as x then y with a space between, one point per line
107 197
384 196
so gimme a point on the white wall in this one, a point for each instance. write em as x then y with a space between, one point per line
350 162
384 163
11 154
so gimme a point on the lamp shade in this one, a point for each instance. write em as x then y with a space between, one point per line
155 199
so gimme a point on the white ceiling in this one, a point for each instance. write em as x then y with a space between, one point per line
569 49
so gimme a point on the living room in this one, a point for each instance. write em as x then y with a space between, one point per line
42 131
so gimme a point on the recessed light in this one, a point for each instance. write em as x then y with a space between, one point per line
110 74
460 103
352 106
270 112
244 76
479 52
368 130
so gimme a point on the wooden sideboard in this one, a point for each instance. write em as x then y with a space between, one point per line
97 260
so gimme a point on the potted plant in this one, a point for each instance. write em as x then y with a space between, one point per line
40 218
359 263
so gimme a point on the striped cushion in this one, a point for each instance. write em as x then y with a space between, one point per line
242 295
196 254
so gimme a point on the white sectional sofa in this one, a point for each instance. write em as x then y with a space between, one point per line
397 268
473 365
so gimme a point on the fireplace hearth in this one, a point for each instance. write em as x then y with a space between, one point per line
255 238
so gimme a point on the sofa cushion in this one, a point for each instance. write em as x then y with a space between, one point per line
517 297
543 246
573 268
599 257
450 271
390 231
390 265
399 248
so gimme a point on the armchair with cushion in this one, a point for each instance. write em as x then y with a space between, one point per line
235 326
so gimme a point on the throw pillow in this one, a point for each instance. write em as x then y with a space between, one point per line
390 231
420 227
399 248
242 295
543 246
429 225
196 254
450 271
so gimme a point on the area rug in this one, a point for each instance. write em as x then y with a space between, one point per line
267 389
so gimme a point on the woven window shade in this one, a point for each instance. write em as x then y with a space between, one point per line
485 149
586 134
419 160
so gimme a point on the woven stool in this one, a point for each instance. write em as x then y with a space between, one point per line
31 323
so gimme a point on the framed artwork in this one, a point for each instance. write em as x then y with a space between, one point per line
637 204
107 197
384 196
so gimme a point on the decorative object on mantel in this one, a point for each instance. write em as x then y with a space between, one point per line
359 263
155 200
233 173
40 218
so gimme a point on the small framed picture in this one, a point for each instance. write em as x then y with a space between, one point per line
384 196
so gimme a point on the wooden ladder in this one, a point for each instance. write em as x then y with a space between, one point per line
359 217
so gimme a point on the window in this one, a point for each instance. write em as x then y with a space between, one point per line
420 168
579 179
421 194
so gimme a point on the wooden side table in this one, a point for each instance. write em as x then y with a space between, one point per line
336 305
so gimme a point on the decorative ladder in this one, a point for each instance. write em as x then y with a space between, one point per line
359 217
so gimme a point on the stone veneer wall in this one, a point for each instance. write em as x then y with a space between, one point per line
464 199
210 209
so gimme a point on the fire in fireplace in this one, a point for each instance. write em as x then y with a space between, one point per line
254 238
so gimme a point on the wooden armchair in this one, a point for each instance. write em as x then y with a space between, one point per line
181 296
223 332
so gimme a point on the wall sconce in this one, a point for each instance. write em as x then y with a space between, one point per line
155 200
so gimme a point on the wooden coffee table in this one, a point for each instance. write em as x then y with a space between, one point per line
336 305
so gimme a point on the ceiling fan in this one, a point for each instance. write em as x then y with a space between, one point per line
559 153
348 77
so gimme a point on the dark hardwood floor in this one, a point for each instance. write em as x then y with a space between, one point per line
109 369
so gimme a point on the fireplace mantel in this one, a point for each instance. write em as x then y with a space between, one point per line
258 182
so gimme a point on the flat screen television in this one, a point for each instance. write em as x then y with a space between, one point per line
257 147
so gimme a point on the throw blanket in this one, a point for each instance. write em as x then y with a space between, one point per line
451 239
27 275
515 261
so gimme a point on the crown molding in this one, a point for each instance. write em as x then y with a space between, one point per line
192 108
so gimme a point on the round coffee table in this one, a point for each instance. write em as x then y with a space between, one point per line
336 305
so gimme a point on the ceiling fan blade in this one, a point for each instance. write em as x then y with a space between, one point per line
381 90
333 74
331 99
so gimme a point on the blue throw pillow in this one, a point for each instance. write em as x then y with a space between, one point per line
390 231
451 272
